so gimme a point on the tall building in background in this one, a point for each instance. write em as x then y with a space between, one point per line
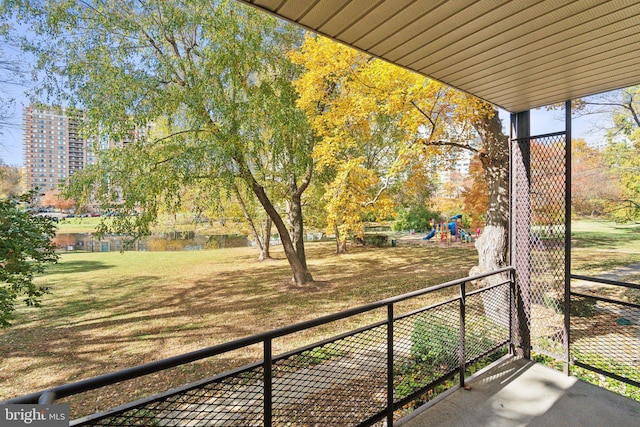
53 149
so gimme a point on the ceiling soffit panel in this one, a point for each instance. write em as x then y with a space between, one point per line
598 39
545 75
517 54
540 42
465 41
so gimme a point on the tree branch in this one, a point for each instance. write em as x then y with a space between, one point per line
427 116
441 143
306 181
379 193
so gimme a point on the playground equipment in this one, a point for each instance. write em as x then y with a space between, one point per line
448 232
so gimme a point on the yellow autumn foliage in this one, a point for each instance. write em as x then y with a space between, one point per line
376 123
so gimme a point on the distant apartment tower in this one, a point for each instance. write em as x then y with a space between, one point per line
52 147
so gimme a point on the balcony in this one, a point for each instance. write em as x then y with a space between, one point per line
419 347
516 392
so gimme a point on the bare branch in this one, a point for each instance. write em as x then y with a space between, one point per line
427 116
379 193
441 143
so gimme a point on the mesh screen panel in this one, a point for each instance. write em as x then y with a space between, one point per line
606 336
538 220
235 400
426 347
487 321
339 383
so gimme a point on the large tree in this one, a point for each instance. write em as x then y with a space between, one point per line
347 93
216 75
366 148
623 153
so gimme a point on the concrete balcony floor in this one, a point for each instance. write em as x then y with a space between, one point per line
517 392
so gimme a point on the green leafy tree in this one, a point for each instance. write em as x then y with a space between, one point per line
624 161
25 250
214 76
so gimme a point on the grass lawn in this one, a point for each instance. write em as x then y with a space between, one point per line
78 225
600 246
109 311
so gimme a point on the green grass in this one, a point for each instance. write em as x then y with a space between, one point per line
165 224
78 225
601 246
110 310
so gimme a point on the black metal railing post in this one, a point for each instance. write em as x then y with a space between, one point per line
268 382
567 242
390 394
462 331
512 300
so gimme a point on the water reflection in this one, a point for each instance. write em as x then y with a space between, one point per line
178 241
175 241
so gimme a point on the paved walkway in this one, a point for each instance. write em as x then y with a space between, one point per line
524 393
619 273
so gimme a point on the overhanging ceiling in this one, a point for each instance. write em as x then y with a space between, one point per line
518 54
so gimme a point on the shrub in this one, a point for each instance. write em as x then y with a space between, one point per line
376 239
434 342
414 218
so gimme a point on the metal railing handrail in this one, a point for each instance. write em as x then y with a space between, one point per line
589 366
58 392
604 281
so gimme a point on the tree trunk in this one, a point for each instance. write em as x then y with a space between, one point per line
341 244
260 243
297 225
301 275
266 239
492 244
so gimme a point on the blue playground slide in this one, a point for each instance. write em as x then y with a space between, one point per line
430 235
452 229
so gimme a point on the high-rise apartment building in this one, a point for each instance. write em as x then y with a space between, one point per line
53 149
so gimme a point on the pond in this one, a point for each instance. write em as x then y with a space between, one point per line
175 241
178 241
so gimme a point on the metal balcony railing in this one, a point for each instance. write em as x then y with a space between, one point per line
605 330
358 378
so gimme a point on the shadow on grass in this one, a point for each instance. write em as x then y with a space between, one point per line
102 326
602 240
80 266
